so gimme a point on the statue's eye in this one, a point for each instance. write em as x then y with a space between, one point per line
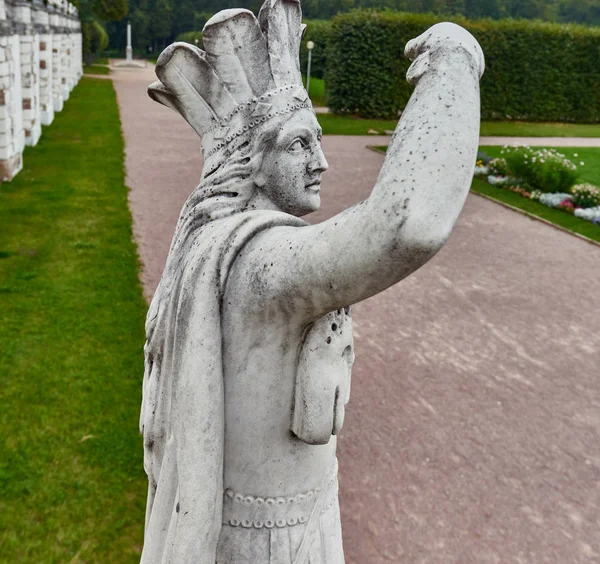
296 145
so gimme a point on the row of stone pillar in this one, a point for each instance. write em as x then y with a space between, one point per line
40 63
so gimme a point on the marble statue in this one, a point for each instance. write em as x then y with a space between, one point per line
249 335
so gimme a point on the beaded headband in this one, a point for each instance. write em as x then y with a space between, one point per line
247 74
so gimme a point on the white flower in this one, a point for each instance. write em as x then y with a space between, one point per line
541 160
575 155
581 163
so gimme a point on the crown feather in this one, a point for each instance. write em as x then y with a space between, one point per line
190 79
161 94
237 50
281 22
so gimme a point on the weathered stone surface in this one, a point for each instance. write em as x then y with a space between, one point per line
249 337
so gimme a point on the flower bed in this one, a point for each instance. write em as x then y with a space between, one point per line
544 175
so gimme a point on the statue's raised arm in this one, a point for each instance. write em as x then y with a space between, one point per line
249 343
413 207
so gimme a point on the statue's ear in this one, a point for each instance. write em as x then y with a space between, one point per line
259 179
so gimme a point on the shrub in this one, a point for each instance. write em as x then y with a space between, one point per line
318 32
94 37
190 37
585 196
544 169
483 157
535 71
498 167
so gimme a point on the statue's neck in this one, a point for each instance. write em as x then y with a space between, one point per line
261 202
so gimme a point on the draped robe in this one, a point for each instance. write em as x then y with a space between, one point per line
182 418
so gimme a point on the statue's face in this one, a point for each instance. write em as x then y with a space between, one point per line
290 175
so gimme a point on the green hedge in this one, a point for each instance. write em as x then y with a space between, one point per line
190 37
534 71
318 32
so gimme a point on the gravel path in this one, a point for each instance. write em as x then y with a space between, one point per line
473 433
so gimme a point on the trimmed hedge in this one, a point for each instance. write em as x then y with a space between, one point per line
190 37
317 31
534 71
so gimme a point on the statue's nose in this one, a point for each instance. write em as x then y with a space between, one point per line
319 162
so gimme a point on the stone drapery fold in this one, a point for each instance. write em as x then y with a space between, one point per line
182 417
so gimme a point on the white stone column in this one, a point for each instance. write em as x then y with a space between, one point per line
42 22
64 56
12 135
79 47
72 52
57 96
29 55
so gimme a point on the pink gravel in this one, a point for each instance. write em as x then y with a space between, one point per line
473 433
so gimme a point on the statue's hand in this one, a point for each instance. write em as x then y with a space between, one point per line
437 43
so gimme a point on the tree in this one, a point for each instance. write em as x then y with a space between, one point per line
93 14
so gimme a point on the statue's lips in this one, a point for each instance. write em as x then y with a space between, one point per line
314 187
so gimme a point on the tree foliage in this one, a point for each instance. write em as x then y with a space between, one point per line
158 22
94 13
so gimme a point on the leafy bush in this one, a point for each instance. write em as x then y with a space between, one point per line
535 71
190 37
483 157
586 196
543 169
94 37
498 167
317 31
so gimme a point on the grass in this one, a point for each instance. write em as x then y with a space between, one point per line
350 125
317 91
96 69
101 61
590 172
525 129
71 328
346 125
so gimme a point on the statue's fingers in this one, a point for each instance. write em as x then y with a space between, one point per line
416 46
418 68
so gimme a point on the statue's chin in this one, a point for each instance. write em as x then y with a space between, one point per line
312 203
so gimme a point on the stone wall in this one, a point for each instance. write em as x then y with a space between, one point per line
40 63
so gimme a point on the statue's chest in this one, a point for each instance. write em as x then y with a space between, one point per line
323 378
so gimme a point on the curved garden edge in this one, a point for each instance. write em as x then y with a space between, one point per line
505 199
537 218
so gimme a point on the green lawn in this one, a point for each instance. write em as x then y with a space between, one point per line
96 69
590 172
71 328
350 125
346 125
525 129
317 90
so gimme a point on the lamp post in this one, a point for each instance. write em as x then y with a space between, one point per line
129 50
310 46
